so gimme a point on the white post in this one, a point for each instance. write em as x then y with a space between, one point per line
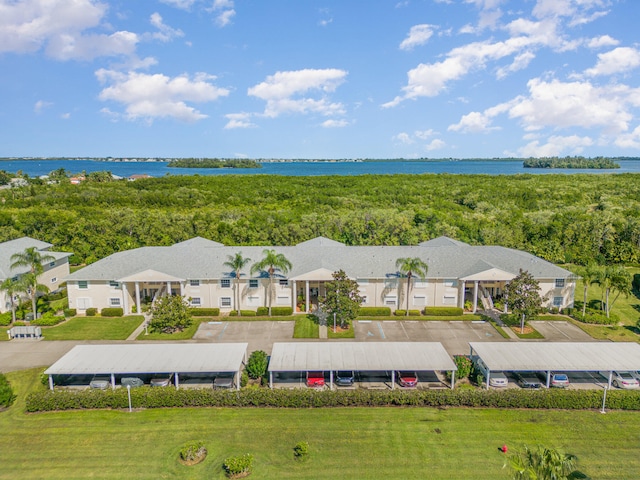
488 378
610 378
453 379
236 378
181 289
294 296
393 379
177 380
51 382
331 379
461 300
125 298
113 381
271 380
169 288
548 378
307 294
604 400
475 296
129 395
138 307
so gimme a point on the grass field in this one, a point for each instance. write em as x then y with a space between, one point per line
368 443
305 327
185 334
93 328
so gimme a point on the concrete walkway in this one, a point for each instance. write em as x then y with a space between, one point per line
495 315
136 333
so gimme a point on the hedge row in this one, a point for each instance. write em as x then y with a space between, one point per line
245 313
374 312
147 397
48 320
204 312
402 313
6 392
275 311
112 312
443 311
597 318
5 319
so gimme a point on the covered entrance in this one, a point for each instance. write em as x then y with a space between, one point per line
309 288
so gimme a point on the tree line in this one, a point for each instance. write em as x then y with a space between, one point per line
562 218
570 162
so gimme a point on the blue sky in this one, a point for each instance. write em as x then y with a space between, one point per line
321 79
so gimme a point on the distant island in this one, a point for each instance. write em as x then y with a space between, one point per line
570 162
213 163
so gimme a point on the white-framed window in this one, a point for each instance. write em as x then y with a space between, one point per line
225 283
559 282
557 301
194 283
195 301
365 300
253 283
283 300
253 301
114 302
449 300
54 279
284 282
450 283
83 284
52 264
225 302
114 284
419 283
419 300
390 300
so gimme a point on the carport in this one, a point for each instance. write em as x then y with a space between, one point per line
165 358
557 356
359 356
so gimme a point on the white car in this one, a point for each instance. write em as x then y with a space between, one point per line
498 379
622 379
100 382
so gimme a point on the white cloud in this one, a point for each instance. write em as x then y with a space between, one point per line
418 35
40 105
519 63
408 139
332 123
65 116
279 90
239 120
182 4
556 145
157 96
225 17
618 60
224 10
403 137
602 41
629 140
424 134
435 144
165 33
59 26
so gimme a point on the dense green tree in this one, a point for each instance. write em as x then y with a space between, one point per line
271 264
589 276
170 314
342 298
543 463
613 279
522 295
237 263
408 267
32 259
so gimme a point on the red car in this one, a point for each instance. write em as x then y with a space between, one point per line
315 379
407 379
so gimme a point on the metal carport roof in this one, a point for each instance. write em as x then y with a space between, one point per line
359 356
558 356
158 358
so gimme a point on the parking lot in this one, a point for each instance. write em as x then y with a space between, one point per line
365 380
259 335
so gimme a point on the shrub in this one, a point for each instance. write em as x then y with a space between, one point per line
257 364
112 312
236 467
18 323
281 311
5 319
204 312
193 452
91 312
48 320
301 450
596 317
244 378
262 311
6 392
70 312
464 364
636 282
245 313
402 313
374 312
443 311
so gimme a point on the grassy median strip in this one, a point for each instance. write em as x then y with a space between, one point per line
407 442
93 328
305 327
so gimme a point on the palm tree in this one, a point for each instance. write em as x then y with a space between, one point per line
32 259
236 263
613 278
271 263
410 267
11 287
543 464
589 276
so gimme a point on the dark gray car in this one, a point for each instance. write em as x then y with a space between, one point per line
223 380
345 378
132 382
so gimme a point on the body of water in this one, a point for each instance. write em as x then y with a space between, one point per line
158 169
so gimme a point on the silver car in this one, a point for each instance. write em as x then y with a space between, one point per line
161 381
100 382
223 380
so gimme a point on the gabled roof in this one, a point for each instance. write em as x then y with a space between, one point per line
443 242
19 245
198 242
320 242
150 276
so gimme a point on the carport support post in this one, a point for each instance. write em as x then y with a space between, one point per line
176 379
610 378
331 379
488 378
236 378
51 382
453 379
548 378
271 380
393 379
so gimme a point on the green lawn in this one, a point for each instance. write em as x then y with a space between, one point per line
186 334
93 328
367 443
348 334
305 327
3 334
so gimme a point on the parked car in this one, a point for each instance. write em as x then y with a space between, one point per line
132 382
407 379
100 382
498 379
160 381
315 379
345 378
622 379
559 380
528 380
223 380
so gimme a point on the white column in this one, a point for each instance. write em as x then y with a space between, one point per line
138 306
294 296
453 379
113 381
177 380
182 289
125 298
331 379
393 379
51 382
168 288
236 378
462 282
307 293
271 380
475 296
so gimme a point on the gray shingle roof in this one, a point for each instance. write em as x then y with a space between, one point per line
7 249
205 260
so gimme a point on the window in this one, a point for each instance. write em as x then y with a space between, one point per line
419 301
225 302
114 284
559 282
390 300
194 283
253 301
253 283
284 282
52 264
557 301
83 284
195 301
54 279
283 300
225 283
449 300
114 302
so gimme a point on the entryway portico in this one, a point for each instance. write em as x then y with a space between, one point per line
486 284
154 283
310 286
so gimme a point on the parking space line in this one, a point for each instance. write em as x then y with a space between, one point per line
223 329
381 330
403 329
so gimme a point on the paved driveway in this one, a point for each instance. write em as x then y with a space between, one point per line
259 335
559 331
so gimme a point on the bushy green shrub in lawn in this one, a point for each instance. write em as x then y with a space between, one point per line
403 313
112 312
48 320
596 317
465 366
5 319
91 312
193 452
70 312
257 364
374 312
301 450
236 467
204 312
6 392
275 311
245 313
443 311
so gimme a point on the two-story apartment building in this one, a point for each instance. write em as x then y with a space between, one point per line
195 269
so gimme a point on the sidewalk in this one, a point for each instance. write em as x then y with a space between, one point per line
136 333
495 315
